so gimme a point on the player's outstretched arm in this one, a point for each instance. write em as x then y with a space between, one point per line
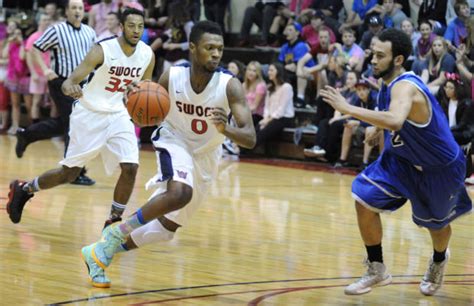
94 58
244 133
400 106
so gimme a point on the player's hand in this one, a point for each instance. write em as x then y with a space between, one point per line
334 98
219 118
111 221
72 90
130 88
372 139
352 123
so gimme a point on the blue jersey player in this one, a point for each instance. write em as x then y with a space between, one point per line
421 163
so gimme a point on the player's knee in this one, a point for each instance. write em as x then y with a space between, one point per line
180 195
129 169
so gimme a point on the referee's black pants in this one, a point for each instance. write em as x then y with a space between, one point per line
53 127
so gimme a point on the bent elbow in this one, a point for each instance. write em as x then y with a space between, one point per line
396 126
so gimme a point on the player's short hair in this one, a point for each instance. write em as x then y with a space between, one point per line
202 27
130 11
401 43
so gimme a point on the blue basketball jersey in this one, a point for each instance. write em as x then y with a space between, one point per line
428 145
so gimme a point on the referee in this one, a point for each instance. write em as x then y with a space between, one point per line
69 43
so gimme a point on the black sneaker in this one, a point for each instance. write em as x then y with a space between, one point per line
17 199
21 142
83 180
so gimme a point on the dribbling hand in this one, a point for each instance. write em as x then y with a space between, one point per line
130 88
219 118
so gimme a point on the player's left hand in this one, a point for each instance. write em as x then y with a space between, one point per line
219 118
334 98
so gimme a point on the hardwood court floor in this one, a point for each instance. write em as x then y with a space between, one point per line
267 236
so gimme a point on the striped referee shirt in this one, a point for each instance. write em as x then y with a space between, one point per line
69 45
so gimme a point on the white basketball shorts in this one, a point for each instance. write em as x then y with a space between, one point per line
112 135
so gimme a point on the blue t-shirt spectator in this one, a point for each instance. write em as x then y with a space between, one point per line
293 53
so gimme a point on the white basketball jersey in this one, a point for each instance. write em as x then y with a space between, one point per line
188 118
104 92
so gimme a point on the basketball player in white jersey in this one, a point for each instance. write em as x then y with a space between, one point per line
99 123
188 147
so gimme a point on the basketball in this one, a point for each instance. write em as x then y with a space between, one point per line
149 104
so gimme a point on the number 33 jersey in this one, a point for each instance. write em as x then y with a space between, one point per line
104 91
188 118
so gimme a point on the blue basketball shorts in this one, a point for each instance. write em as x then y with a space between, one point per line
438 196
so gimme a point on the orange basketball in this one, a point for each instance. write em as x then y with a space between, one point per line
149 105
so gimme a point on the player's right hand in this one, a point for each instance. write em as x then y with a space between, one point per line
72 90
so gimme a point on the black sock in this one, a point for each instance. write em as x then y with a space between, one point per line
439 256
375 253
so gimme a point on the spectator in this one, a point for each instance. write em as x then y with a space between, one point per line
290 54
4 93
255 90
328 139
237 68
456 32
375 27
437 63
423 45
214 10
278 111
98 15
356 17
18 79
112 24
434 12
366 99
310 33
38 82
262 15
392 15
351 51
330 10
465 57
408 28
51 9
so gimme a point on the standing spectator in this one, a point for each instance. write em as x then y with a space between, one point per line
434 11
112 24
255 90
98 15
38 81
438 62
278 111
290 54
69 42
456 32
18 79
7 30
262 15
215 10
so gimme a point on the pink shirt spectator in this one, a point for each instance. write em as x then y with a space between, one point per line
29 46
280 103
261 89
16 66
311 36
100 11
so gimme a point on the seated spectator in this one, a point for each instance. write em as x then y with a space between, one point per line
456 32
262 15
18 79
237 68
434 11
255 90
351 51
366 99
408 28
423 46
392 15
331 124
98 15
438 62
112 24
375 24
465 65
356 16
290 54
310 33
38 82
330 10
278 112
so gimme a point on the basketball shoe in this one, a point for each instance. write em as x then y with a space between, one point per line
17 198
104 250
433 278
374 277
96 274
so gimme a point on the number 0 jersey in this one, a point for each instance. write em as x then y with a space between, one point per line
425 145
188 118
104 92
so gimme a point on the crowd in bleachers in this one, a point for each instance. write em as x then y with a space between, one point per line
319 43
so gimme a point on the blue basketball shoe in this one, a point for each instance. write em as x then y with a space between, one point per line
96 274
105 249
